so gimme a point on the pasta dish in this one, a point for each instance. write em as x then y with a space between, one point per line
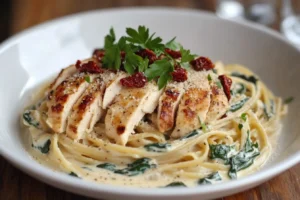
145 113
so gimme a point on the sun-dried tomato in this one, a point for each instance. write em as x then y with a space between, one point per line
226 83
98 54
173 54
147 53
90 67
179 75
136 80
202 63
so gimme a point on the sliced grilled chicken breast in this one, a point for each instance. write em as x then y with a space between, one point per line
168 104
128 109
113 86
219 103
65 73
61 100
86 111
194 104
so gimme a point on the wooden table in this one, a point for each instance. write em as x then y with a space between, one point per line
22 14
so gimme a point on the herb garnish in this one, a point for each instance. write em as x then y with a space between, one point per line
244 117
209 77
136 40
87 79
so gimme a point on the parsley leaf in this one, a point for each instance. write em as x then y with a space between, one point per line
186 55
209 77
240 126
141 37
112 58
162 69
172 44
109 39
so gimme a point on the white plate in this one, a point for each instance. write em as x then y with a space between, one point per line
32 56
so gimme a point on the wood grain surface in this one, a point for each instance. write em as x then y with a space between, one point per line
17 15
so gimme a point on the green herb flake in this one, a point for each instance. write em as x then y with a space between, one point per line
210 179
244 116
240 126
209 77
289 100
176 184
218 83
87 79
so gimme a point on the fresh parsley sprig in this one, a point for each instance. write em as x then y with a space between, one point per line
135 40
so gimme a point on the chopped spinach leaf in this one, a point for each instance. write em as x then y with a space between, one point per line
30 119
210 179
74 174
107 166
139 166
244 158
238 88
251 79
191 134
157 147
221 151
238 105
176 184
269 114
45 148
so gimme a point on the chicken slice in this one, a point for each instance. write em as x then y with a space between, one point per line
65 73
219 103
86 111
61 100
113 86
168 104
194 104
128 109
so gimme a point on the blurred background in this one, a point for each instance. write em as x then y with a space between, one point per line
281 15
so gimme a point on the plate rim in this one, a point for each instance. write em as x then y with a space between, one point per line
43 173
